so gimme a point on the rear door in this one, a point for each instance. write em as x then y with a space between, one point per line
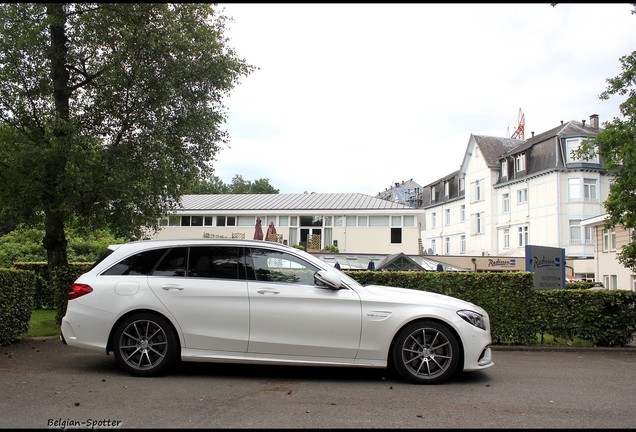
204 288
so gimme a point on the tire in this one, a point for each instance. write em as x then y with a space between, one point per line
145 345
426 352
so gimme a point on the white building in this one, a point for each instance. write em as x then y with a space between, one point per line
509 193
354 223
608 242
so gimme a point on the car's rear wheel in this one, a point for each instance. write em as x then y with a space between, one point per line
145 345
426 352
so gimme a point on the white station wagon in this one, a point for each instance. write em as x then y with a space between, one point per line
155 302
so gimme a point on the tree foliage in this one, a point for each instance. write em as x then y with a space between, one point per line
24 244
616 145
238 186
106 110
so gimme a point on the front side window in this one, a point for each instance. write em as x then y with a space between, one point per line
268 265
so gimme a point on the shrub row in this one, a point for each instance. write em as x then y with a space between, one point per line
517 312
17 291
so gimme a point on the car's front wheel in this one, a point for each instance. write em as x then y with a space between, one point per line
426 352
145 345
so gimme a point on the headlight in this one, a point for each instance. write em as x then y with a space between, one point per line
473 318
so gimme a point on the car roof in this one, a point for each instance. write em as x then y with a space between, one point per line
145 244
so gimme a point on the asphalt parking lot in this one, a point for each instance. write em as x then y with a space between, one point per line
49 385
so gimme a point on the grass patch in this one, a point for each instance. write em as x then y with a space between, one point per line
42 324
549 340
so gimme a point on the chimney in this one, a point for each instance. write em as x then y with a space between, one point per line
594 121
532 134
583 121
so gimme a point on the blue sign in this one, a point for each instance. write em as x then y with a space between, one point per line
548 266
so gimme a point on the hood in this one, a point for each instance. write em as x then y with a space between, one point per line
413 296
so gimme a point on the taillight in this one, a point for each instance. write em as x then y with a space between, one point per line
78 290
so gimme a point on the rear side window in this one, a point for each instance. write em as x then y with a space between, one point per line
221 262
140 264
173 263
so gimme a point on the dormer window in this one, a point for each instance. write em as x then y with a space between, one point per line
573 144
521 162
433 197
446 188
504 168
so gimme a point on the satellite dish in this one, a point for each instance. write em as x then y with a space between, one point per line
429 251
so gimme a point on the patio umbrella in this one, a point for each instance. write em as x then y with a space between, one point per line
258 232
271 231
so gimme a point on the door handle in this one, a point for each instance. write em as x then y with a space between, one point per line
267 291
171 287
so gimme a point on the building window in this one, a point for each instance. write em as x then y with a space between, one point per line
462 244
580 234
447 245
506 238
433 220
477 223
610 281
522 196
476 191
504 168
446 188
375 221
363 221
505 198
433 197
227 221
574 189
462 213
589 190
521 162
575 231
609 240
433 248
396 235
523 235
461 181
447 219
573 144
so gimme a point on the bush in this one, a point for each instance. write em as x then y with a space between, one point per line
16 303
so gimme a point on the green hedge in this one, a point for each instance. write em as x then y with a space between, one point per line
17 291
518 312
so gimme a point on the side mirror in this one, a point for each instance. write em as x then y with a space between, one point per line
328 279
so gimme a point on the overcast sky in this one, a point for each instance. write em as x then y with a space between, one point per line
356 97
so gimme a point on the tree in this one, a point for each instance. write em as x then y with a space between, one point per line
616 145
106 110
241 186
238 186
